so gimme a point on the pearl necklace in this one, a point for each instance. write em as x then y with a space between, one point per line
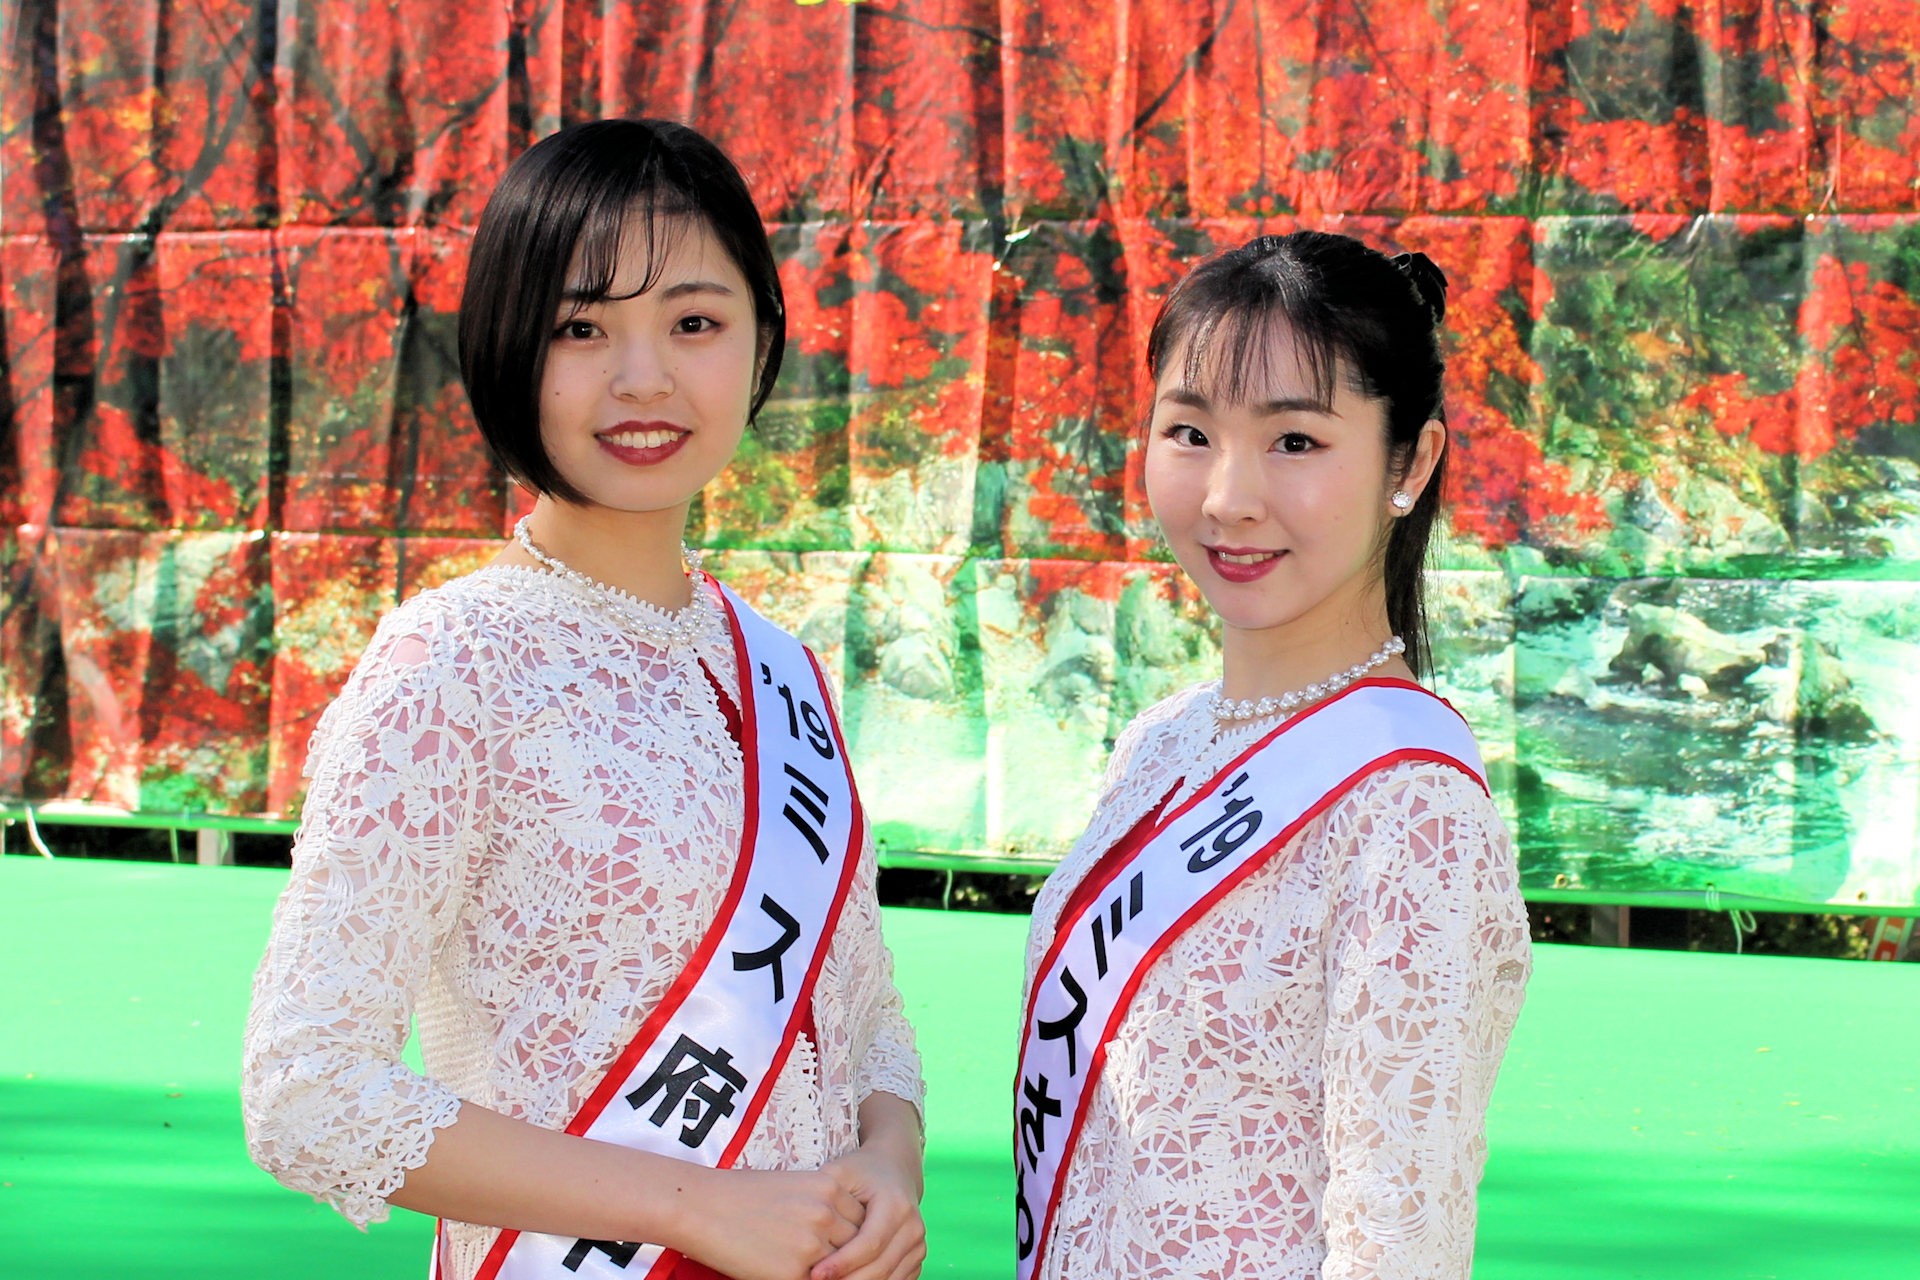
1250 709
649 621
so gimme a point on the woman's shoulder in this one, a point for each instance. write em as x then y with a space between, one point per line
1166 717
459 632
1149 741
481 610
1413 813
438 623
1407 779
416 670
490 591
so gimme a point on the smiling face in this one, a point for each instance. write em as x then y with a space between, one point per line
1275 501
645 395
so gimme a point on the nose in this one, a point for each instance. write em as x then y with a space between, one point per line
1235 490
641 371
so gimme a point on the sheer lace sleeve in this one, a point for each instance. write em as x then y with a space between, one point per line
387 832
1427 955
884 1056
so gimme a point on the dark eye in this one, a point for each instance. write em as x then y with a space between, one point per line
1182 433
1294 442
577 331
695 324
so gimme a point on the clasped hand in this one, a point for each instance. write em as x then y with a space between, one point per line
856 1218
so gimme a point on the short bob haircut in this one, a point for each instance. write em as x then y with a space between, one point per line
573 194
1347 311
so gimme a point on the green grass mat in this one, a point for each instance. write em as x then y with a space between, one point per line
1660 1115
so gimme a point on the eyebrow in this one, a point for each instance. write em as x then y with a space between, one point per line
668 294
1269 408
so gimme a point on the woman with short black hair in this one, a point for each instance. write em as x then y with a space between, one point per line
588 817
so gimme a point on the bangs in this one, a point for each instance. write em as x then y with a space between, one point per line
1241 327
1238 355
660 215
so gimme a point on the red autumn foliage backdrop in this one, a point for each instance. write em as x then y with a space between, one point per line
1684 244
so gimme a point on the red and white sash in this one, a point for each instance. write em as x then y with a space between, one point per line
1192 858
700 1069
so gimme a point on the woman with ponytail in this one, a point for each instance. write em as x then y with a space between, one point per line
1270 988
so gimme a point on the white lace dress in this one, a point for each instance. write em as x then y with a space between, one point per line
521 821
1300 1086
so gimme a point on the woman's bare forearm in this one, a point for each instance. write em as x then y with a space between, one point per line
491 1169
891 1125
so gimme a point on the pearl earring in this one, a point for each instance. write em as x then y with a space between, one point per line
1401 500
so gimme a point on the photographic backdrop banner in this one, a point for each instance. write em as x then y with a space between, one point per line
1679 598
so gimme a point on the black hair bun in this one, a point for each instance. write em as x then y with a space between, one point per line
1429 279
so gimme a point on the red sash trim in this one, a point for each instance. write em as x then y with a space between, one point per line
1103 877
1107 875
617 1073
803 1003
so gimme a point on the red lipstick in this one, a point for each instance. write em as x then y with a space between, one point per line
1241 571
642 444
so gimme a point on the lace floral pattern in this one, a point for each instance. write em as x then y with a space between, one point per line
1300 1086
520 823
